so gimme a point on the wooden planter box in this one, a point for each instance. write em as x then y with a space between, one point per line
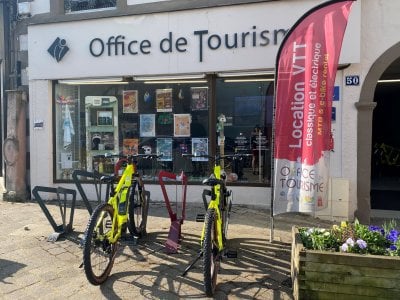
334 275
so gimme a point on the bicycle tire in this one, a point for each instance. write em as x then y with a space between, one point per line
137 212
211 255
98 253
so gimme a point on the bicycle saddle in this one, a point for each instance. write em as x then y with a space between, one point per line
212 181
107 178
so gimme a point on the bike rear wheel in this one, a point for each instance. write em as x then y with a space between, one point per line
98 252
211 254
137 212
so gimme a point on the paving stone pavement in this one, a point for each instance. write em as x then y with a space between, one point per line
31 267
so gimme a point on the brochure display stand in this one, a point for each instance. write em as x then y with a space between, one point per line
101 114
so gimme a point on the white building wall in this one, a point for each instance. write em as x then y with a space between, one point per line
39 6
41 139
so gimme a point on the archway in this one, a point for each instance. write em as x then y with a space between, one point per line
365 108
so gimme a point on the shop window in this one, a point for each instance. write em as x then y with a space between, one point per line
80 5
140 117
67 131
247 106
168 118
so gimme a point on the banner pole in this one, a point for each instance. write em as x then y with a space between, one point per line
306 66
271 234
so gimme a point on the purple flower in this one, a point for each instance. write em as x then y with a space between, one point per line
374 228
392 236
393 247
377 229
350 242
344 247
361 243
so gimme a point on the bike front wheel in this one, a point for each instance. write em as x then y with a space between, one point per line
211 253
137 212
98 252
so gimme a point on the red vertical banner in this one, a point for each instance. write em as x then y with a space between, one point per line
305 75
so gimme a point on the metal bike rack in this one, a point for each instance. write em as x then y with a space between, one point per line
174 235
97 182
96 176
63 228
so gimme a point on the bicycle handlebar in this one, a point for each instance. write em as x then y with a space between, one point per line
122 156
218 157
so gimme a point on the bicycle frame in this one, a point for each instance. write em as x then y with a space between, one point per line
119 201
215 204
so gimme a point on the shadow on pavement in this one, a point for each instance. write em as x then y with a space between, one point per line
8 268
261 270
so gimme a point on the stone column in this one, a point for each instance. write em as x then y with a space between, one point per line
14 147
364 146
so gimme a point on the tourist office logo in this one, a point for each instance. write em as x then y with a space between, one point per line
58 49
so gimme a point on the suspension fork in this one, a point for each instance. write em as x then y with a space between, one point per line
218 223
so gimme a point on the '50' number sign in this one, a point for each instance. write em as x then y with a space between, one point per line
353 80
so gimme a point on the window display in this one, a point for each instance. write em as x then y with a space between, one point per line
67 128
168 118
101 121
247 106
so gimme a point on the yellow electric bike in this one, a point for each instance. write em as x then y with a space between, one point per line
127 207
216 219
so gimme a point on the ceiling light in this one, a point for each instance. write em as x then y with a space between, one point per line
388 80
241 74
113 80
250 80
170 77
174 81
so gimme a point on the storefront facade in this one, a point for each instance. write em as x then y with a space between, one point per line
158 82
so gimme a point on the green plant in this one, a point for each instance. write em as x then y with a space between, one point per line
354 238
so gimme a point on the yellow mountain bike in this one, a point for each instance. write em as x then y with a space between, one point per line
216 219
127 207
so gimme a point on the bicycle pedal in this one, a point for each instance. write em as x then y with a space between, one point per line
231 254
200 218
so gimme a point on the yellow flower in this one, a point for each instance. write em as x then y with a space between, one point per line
343 224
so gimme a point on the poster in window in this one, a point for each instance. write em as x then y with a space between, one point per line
147 125
200 147
130 146
164 148
130 101
129 129
182 125
199 98
164 124
164 100
164 118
